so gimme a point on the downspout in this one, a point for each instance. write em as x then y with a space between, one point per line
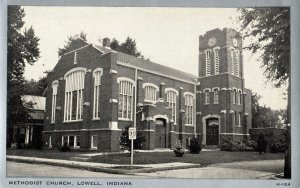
135 97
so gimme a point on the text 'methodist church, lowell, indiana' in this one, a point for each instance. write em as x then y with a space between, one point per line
95 92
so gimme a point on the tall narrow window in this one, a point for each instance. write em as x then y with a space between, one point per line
126 89
232 61
234 96
97 82
240 97
207 62
239 119
237 63
54 94
234 119
216 95
206 95
150 92
171 101
189 109
217 59
94 141
74 95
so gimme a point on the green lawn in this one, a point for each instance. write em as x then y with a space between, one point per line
204 158
50 154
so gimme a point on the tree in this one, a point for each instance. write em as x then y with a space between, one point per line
138 143
22 49
33 87
127 47
68 44
269 29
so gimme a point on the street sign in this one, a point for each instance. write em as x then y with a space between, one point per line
132 133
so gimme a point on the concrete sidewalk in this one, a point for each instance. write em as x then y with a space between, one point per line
103 167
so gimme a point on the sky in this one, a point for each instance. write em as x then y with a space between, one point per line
167 36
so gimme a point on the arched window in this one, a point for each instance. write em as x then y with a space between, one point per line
126 90
189 108
239 97
216 95
232 61
206 96
150 92
237 63
234 96
171 101
207 62
74 94
217 59
239 119
97 73
54 94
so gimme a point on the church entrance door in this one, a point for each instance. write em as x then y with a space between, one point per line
160 133
212 131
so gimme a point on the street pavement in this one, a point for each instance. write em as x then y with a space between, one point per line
234 170
266 169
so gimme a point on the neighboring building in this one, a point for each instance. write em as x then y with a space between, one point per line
29 134
94 91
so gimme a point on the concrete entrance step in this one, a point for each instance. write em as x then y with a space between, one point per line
211 148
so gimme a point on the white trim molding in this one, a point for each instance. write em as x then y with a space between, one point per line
162 117
113 125
150 84
113 101
96 70
125 79
171 89
111 71
188 93
74 70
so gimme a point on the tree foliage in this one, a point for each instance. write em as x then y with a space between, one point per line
33 87
263 116
269 31
138 143
67 46
127 47
22 49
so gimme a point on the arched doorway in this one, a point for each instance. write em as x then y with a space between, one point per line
212 131
160 133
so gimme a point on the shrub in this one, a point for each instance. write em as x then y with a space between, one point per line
138 143
195 145
65 148
278 144
179 151
228 144
261 143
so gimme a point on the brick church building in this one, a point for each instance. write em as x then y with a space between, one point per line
96 92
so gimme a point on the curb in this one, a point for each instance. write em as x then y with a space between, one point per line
103 169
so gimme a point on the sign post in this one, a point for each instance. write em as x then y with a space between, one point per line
131 136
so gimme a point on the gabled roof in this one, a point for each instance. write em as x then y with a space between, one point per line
145 64
155 67
34 102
